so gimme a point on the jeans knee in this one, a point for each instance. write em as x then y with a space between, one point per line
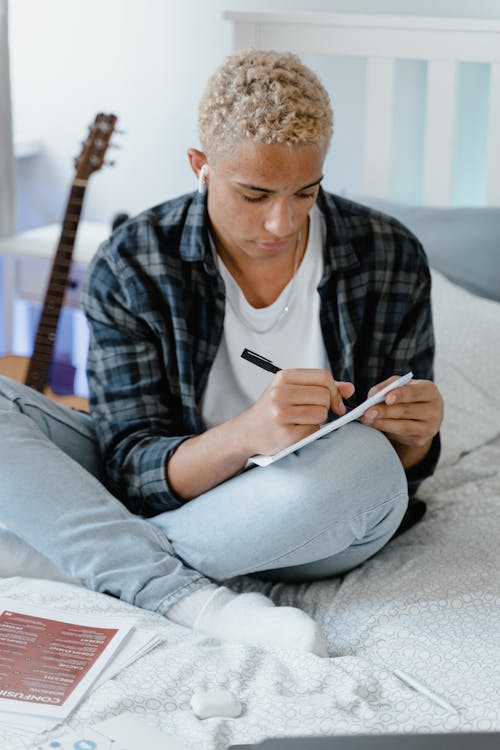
382 485
349 472
380 466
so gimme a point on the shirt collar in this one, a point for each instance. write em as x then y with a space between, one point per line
339 252
194 243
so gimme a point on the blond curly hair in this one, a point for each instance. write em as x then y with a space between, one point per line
264 96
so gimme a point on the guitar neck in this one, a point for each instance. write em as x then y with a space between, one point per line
38 370
90 160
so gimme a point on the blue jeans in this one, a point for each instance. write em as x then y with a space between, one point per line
315 514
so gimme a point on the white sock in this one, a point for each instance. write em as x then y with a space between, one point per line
248 618
186 610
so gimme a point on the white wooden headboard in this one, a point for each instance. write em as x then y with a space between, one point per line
382 41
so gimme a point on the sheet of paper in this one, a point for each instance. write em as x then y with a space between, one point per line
123 732
140 642
29 729
330 426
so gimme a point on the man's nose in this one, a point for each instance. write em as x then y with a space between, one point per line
280 220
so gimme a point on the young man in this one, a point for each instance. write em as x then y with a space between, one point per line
260 258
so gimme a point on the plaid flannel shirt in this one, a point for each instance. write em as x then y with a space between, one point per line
154 302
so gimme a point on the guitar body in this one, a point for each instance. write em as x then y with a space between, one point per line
17 369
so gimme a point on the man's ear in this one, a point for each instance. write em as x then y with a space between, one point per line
197 160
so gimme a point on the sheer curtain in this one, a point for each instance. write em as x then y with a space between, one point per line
6 146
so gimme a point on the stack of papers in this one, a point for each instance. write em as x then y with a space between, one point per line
49 660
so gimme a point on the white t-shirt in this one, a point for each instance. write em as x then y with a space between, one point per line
295 340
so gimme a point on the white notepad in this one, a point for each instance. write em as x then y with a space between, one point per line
330 426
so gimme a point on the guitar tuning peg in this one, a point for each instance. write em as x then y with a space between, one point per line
110 163
114 145
120 132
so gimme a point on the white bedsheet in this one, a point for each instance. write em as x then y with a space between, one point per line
428 604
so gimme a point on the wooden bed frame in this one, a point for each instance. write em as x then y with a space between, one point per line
383 40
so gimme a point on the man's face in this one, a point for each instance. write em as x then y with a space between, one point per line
259 197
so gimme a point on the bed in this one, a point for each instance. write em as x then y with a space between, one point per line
429 603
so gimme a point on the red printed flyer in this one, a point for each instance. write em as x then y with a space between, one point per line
49 660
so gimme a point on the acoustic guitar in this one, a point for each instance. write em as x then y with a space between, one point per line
54 377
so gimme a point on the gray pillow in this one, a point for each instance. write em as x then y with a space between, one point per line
461 243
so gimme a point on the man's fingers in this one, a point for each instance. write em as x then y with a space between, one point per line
404 431
308 380
345 389
415 412
301 395
416 391
378 416
376 388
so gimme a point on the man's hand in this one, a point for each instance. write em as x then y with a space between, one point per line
293 406
410 417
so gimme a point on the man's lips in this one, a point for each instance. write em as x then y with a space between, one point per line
273 245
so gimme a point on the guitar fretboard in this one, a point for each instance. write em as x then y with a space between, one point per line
54 296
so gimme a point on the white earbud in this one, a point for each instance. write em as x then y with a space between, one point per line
202 178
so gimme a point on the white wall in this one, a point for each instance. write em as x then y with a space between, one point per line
147 61
6 160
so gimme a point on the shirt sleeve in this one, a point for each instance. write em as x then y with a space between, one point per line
413 348
416 475
135 405
412 343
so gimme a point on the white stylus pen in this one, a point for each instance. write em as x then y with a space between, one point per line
415 685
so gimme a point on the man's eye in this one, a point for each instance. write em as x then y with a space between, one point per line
254 199
260 198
